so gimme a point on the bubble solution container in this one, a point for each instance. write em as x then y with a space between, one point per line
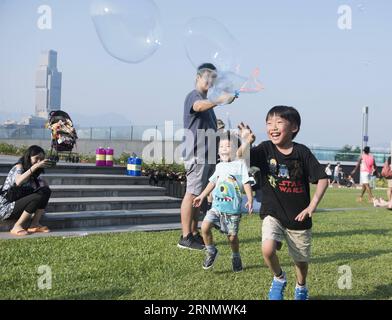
134 167
100 157
109 157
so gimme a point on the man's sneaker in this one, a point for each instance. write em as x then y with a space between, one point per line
189 243
277 288
210 259
301 293
198 238
237 264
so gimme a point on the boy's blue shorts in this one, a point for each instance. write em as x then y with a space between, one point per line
225 223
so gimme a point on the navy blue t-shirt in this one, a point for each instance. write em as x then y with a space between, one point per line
194 121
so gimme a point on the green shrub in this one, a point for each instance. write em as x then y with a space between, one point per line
11 150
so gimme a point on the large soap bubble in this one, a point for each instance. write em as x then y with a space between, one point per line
207 40
129 31
225 86
228 84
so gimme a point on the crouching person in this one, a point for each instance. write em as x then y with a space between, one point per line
25 195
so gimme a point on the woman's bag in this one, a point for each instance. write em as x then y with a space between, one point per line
15 192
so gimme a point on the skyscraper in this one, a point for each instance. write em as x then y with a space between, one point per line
47 85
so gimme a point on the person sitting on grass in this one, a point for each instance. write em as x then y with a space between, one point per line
26 172
382 203
226 184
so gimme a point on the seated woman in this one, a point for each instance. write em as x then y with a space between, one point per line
26 172
382 203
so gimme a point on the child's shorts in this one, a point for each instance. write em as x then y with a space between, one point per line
225 223
298 241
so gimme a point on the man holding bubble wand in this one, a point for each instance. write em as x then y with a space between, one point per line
200 124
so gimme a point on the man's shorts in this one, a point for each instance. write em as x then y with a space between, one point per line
389 183
225 223
197 176
298 241
365 177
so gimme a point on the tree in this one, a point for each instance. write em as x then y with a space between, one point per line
348 153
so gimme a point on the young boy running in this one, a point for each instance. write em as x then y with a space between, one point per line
227 183
287 168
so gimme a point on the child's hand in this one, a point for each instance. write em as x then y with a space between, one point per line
197 201
305 213
246 133
249 206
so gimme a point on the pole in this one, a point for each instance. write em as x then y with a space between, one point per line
365 127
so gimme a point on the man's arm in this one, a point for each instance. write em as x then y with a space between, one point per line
204 105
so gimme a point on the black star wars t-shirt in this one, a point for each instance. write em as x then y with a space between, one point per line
285 182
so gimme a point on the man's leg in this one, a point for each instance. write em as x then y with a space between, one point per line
195 220
206 171
188 213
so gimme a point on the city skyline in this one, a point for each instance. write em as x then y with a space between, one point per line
47 85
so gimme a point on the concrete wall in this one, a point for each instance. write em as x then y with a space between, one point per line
89 146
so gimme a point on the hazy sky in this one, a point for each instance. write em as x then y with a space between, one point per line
306 61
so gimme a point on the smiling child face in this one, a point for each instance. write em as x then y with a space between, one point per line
279 130
226 150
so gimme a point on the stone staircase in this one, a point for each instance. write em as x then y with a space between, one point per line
86 196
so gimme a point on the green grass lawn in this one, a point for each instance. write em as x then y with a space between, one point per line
144 265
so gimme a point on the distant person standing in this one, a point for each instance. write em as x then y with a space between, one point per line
367 167
328 172
336 173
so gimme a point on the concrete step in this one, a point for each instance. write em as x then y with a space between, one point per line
88 179
111 203
76 168
68 191
84 232
98 219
